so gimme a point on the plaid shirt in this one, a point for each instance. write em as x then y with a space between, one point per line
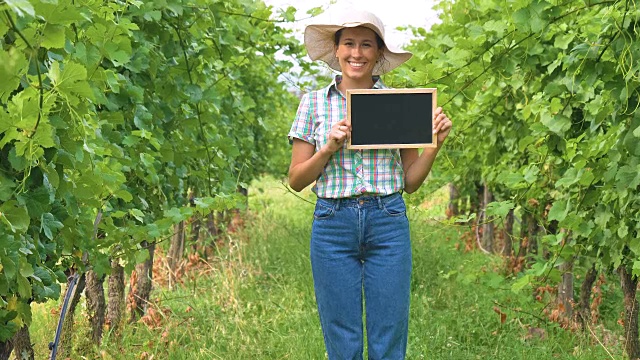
348 172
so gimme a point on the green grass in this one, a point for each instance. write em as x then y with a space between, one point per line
255 300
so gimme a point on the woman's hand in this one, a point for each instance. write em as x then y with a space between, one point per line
441 125
339 133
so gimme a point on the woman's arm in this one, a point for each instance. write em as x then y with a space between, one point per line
417 167
307 164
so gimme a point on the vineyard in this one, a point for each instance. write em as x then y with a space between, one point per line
119 121
127 126
547 133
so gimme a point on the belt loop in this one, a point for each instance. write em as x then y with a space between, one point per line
379 198
338 200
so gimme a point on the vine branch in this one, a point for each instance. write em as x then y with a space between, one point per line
198 112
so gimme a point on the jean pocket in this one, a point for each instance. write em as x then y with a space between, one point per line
324 210
395 206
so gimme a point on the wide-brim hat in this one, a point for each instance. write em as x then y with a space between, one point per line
319 39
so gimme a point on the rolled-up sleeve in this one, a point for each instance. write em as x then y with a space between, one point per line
303 124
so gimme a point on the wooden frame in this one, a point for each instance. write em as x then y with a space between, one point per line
391 118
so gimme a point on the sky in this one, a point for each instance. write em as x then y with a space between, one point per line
393 13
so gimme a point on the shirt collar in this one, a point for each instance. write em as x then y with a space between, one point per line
377 83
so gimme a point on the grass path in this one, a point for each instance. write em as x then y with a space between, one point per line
255 300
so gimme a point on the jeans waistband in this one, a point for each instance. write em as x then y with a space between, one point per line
362 200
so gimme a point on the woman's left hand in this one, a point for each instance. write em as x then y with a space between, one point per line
441 125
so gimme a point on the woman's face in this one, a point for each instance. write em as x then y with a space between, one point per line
357 52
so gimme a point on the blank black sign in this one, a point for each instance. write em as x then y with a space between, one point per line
398 118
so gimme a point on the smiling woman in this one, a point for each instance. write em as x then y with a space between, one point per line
360 244
359 51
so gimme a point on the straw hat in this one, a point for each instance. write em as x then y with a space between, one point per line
320 43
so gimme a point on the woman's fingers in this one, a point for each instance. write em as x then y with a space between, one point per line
441 124
341 130
339 134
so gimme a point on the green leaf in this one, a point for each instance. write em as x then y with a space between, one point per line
531 173
71 80
556 105
53 36
521 19
13 65
44 135
636 132
8 329
154 231
21 7
521 283
136 213
603 216
463 218
552 240
56 13
44 275
636 268
15 216
559 210
315 11
628 177
584 229
9 267
26 269
24 287
50 225
36 201
289 14
497 26
634 245
118 56
194 92
174 214
539 268
118 214
512 180
562 41
559 124
6 187
500 209
623 230
124 195
50 180
153 15
569 178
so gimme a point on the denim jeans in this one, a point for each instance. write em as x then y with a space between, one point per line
362 245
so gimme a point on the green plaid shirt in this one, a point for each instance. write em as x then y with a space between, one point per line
348 172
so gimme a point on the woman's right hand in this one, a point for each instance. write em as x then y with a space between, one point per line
339 133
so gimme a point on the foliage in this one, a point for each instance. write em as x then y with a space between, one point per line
110 112
543 96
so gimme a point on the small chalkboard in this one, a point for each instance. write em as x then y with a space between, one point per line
391 118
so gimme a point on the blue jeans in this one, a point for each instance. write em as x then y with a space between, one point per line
362 244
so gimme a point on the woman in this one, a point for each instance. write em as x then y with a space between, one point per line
360 234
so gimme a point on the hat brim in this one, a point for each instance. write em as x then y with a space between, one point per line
319 41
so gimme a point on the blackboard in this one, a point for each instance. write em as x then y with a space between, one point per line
391 118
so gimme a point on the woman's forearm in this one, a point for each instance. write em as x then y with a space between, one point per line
306 165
